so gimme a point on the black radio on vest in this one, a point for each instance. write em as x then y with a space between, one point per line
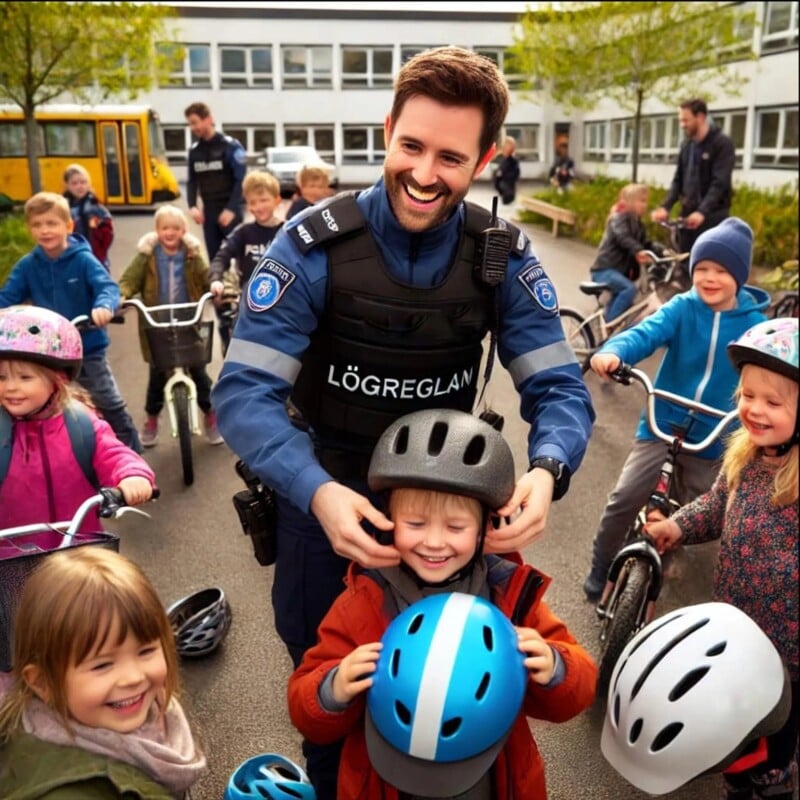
492 250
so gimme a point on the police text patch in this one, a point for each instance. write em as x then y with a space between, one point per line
539 287
266 287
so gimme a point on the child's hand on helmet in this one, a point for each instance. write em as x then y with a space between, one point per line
355 672
540 661
135 490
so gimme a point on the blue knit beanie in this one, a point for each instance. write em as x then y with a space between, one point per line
729 244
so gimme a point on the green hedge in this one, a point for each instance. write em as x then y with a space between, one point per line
772 214
15 242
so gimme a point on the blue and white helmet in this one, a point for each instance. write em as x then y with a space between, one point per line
448 686
269 777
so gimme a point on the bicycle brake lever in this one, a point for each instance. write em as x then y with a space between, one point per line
117 513
622 374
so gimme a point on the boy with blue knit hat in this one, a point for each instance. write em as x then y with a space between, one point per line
695 328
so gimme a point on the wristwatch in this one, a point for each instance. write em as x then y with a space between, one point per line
558 469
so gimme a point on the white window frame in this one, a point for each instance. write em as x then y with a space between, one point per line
373 153
370 79
595 135
310 138
312 76
177 156
498 55
781 156
250 77
783 38
185 77
527 150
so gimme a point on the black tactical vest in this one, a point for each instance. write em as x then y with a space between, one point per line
385 348
213 176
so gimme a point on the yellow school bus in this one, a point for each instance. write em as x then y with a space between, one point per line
121 146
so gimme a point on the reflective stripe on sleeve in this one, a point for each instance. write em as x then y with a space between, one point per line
557 354
266 359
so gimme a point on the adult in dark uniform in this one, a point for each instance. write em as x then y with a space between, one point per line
368 307
217 166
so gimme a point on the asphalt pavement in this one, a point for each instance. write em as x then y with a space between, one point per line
236 696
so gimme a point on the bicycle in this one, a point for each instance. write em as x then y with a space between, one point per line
635 576
175 346
656 283
22 548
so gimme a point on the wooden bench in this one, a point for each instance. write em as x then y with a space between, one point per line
548 210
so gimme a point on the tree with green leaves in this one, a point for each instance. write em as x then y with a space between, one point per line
582 52
86 52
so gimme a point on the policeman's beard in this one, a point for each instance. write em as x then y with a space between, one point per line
417 221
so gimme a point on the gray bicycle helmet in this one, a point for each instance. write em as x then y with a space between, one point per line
200 622
446 451
689 693
269 777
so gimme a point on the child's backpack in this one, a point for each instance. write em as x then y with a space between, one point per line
81 437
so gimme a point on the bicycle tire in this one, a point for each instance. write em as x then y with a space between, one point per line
180 397
621 624
579 336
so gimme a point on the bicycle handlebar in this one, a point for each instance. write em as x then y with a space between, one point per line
145 311
110 502
625 373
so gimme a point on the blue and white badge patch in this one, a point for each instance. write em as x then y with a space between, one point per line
267 285
540 287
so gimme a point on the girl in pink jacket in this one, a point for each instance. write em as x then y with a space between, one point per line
41 478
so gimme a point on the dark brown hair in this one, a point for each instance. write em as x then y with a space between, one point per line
201 109
453 76
695 105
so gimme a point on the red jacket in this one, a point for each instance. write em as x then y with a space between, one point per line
357 617
45 482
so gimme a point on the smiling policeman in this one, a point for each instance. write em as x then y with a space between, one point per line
370 306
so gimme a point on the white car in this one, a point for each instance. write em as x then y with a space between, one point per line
285 162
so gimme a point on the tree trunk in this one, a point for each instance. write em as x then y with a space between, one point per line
33 156
637 123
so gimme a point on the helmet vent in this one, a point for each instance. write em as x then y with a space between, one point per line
437 438
475 450
484 686
394 668
488 638
687 682
664 652
416 623
403 714
451 727
717 649
400 444
34 329
665 736
616 709
636 729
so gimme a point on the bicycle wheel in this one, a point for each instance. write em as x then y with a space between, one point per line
579 336
625 611
180 397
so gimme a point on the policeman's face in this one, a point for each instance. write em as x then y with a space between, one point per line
689 122
201 128
432 156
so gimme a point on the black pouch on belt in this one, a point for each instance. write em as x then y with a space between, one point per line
258 515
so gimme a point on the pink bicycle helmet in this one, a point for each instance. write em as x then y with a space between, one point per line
771 344
30 333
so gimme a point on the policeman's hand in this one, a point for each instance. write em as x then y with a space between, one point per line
659 214
197 215
604 364
225 218
355 672
101 316
540 660
532 497
217 288
340 510
666 534
694 220
135 490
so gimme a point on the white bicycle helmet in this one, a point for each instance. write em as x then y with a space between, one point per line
689 692
448 685
200 622
269 777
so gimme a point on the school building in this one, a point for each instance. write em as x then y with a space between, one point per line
321 74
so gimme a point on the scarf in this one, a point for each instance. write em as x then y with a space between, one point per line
162 749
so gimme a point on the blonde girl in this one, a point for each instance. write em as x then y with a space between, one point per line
753 509
91 703
41 481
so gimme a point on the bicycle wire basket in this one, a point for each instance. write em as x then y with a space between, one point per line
180 346
20 554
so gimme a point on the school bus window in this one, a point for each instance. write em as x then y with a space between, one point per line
156 134
12 139
70 139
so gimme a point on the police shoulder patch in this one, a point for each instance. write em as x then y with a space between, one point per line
540 287
267 285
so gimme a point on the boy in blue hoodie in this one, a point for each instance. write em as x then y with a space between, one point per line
695 328
61 274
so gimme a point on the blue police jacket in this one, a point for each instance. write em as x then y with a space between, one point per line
275 323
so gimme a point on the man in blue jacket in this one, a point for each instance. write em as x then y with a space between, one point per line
366 308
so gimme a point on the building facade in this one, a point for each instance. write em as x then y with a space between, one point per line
321 75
